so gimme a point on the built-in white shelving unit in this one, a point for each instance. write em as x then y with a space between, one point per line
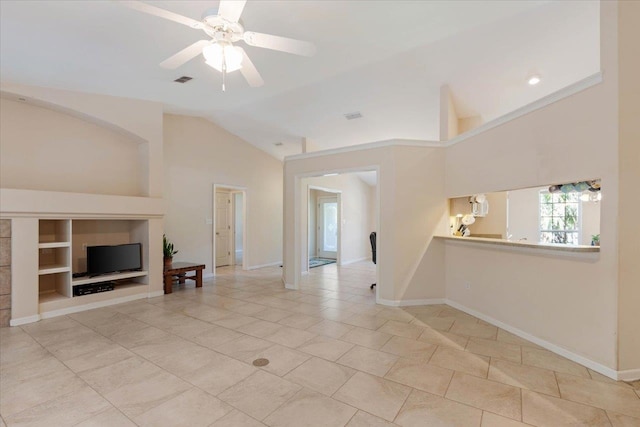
62 251
54 258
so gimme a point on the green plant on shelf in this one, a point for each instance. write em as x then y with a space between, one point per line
167 247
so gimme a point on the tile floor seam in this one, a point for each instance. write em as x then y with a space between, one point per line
360 308
606 413
450 381
404 401
521 407
102 396
75 374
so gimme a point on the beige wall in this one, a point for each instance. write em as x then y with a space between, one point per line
199 154
411 212
136 120
571 303
43 149
629 175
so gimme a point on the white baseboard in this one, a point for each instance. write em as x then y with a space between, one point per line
410 302
604 370
98 304
353 261
290 286
24 320
156 294
271 264
629 375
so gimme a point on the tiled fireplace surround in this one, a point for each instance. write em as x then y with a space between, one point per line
5 272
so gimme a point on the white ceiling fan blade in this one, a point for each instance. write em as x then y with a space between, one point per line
185 55
284 44
249 70
162 13
231 9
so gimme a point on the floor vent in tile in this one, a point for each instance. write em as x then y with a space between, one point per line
261 362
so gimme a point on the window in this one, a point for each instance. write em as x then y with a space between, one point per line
560 218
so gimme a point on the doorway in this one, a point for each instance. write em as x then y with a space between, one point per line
327 236
323 231
223 233
229 230
238 227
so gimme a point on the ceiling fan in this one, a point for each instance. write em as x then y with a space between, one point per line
224 28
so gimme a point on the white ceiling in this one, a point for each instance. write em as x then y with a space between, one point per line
386 59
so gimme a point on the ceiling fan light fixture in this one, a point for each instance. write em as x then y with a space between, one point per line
223 53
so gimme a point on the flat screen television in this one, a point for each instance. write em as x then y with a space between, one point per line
112 259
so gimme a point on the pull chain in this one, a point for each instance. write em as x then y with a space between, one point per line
224 70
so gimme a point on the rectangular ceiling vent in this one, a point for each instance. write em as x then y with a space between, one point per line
183 79
352 116
278 144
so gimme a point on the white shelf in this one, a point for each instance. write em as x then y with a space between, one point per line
54 245
108 277
53 269
55 304
48 296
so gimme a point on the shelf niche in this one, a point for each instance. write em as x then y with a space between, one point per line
62 250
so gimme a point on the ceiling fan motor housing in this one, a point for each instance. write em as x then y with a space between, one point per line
219 28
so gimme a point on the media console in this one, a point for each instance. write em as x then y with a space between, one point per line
93 288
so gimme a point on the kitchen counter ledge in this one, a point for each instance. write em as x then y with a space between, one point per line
525 244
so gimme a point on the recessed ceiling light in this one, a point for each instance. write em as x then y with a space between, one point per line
330 174
534 80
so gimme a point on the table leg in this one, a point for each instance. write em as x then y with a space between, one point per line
168 283
199 278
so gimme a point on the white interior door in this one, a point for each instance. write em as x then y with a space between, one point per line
223 229
327 227
238 226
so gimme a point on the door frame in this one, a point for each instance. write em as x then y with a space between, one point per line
232 193
338 194
231 189
298 230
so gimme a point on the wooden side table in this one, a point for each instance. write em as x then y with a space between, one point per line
180 270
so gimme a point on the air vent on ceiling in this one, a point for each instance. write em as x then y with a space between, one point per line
183 79
278 144
352 116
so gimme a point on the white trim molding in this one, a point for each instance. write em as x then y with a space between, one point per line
24 320
629 375
271 264
353 261
604 370
156 294
410 302
367 146
97 304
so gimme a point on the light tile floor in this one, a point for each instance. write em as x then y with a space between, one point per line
336 359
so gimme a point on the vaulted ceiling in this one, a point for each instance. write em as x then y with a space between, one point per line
384 59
